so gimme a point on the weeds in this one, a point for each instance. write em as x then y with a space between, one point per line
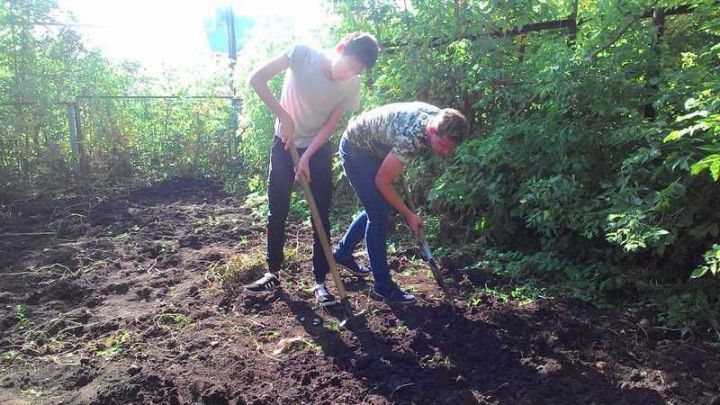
257 203
314 346
174 321
32 392
21 317
240 268
10 356
521 295
112 346
169 246
172 318
399 329
214 221
334 327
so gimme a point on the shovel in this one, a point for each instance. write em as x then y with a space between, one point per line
324 241
427 255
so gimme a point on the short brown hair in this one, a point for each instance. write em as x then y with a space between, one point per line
363 46
451 122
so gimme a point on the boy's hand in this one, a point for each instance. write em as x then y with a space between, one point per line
287 129
414 222
303 168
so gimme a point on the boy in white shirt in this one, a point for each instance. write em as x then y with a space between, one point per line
316 91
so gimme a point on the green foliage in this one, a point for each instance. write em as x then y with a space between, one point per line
712 263
10 356
689 311
43 68
700 140
594 156
631 231
521 295
685 308
593 282
242 268
258 202
595 159
112 346
21 317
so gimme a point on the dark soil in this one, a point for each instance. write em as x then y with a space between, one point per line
124 303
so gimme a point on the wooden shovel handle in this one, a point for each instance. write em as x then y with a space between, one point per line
315 213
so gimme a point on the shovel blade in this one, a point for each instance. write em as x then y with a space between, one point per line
347 313
437 275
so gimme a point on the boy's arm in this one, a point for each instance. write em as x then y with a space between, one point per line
322 136
259 82
389 170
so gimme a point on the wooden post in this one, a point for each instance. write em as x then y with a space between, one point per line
572 26
659 22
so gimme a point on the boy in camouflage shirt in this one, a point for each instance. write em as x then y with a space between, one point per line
374 149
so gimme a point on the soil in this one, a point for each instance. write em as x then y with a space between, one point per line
125 300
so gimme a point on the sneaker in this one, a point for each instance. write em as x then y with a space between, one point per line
323 297
393 295
264 285
351 266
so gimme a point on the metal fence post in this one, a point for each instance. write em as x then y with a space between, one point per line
79 136
73 135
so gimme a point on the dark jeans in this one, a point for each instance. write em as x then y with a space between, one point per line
372 224
280 184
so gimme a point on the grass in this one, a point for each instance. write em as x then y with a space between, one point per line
399 329
437 360
43 340
21 317
214 221
240 268
312 345
247 332
416 265
268 335
257 203
174 321
112 346
169 246
57 343
524 294
10 356
32 392
174 318
334 327
411 288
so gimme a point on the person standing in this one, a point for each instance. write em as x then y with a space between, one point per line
316 91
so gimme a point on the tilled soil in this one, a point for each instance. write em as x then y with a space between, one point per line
127 299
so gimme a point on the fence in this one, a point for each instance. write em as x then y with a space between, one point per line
108 132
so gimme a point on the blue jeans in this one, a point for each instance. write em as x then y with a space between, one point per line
361 169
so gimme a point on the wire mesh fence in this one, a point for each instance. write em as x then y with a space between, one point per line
118 136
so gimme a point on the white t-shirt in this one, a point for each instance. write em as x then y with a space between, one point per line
309 96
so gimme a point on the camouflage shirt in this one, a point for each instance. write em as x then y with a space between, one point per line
400 129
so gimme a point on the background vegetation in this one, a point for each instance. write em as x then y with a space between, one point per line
594 161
